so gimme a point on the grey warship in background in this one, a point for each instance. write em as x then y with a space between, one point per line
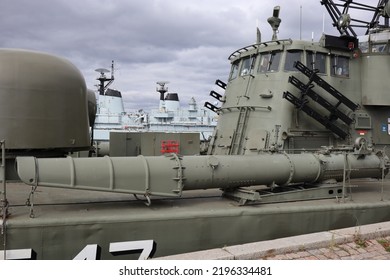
169 117
299 147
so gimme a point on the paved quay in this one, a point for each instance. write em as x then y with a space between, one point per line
366 242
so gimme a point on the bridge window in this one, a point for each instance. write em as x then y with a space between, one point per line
379 42
291 57
247 65
379 48
234 70
316 61
340 66
269 62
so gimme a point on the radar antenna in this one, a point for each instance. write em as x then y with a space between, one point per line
345 24
162 89
103 79
274 21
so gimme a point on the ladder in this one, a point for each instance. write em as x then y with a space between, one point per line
239 132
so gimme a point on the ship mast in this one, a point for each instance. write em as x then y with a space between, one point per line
162 89
103 79
345 23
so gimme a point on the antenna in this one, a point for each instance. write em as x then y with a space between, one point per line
258 36
258 33
102 71
112 70
162 89
300 23
346 24
274 21
102 79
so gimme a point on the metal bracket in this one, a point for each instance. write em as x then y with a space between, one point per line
180 176
242 195
148 201
297 192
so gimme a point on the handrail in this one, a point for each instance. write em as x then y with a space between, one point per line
256 46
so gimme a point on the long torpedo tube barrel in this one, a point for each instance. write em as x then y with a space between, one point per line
170 175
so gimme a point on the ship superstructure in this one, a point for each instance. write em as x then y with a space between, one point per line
168 117
292 95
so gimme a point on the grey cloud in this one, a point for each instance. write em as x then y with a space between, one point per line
185 42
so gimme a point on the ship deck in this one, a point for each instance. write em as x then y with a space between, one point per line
66 221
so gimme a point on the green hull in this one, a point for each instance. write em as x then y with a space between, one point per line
67 221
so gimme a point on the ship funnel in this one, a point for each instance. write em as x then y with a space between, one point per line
274 21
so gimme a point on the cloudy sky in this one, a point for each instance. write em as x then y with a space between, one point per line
184 42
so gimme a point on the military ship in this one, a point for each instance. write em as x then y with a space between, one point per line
299 147
169 117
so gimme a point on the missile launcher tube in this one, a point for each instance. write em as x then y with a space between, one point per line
170 175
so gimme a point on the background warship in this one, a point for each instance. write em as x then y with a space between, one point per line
299 144
169 117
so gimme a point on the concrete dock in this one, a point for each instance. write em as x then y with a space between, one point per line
366 242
